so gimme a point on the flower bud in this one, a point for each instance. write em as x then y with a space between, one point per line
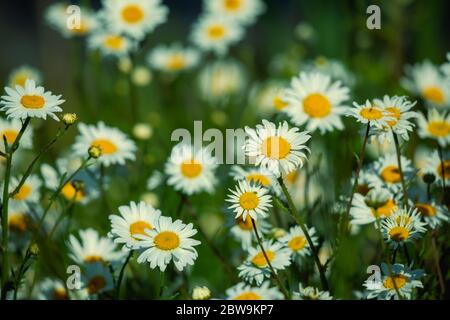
69 118
201 293
95 152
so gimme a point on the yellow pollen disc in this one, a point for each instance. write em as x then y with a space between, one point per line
426 210
107 146
23 193
176 62
132 14
391 174
399 280
60 294
96 284
297 243
394 113
32 102
446 169
139 227
70 193
276 147
371 113
18 222
81 29
167 240
439 128
249 200
258 178
434 94
247 296
316 105
20 79
260 261
216 32
232 5
10 135
93 259
399 234
279 104
386 209
114 42
292 177
191 168
246 224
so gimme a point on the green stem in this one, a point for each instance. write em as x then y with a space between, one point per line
441 158
161 284
399 162
122 271
21 273
274 274
294 213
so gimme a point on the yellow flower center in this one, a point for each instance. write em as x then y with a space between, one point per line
23 193
106 145
60 294
114 42
399 281
276 147
246 224
297 243
191 169
446 169
292 177
386 209
167 240
32 102
20 79
18 222
316 105
260 261
139 227
132 14
216 32
80 29
72 194
249 200
394 113
176 62
371 113
279 103
232 5
96 284
434 94
93 259
10 135
258 178
426 210
399 233
439 128
391 174
247 296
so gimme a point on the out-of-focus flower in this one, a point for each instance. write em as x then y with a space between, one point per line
311 293
142 131
10 130
201 293
111 44
242 11
387 173
20 75
433 214
378 203
243 291
173 58
436 127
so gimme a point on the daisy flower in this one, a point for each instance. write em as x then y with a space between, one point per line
398 109
19 76
242 230
295 241
277 149
115 145
30 101
268 97
155 180
249 199
221 80
255 268
436 127
425 80
97 279
10 130
28 194
316 101
434 166
402 226
52 289
168 241
258 176
111 44
242 11
433 214
134 18
173 58
387 173
216 33
394 276
134 219
311 293
243 291
379 203
191 171
368 112
334 68
364 179
92 248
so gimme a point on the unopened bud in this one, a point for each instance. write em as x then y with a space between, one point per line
95 152
34 249
69 118
201 293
